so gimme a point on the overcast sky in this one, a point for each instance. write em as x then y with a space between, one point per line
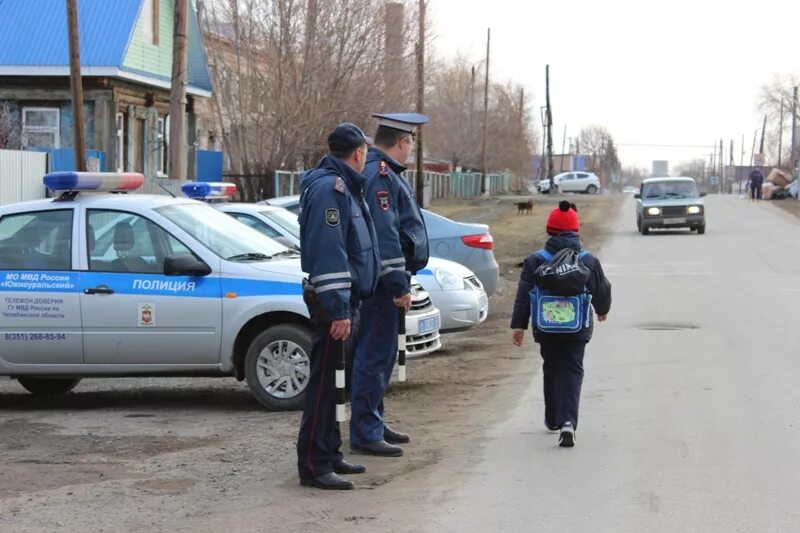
678 72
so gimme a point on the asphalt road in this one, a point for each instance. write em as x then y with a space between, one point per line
690 416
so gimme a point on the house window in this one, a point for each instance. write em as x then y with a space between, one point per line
120 139
40 127
162 141
150 21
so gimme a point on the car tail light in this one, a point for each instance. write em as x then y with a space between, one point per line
484 241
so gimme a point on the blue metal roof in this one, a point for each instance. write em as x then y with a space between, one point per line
34 34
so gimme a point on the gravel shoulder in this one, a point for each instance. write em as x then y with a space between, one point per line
181 454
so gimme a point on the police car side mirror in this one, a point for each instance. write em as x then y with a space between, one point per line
638 196
185 265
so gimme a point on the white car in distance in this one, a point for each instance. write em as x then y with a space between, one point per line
583 182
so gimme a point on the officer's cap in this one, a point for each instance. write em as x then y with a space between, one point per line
347 136
401 121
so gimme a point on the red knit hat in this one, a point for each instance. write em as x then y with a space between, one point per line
563 218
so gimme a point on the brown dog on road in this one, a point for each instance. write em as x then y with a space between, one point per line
524 207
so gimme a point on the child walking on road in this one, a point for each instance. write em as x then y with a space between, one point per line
561 315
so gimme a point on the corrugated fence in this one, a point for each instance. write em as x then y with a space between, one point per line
21 176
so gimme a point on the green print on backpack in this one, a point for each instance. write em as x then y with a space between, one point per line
551 313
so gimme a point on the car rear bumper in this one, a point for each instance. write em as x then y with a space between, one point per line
488 272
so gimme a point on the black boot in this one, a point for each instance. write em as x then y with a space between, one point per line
380 448
329 481
395 437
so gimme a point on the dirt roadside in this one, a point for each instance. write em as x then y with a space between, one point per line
185 454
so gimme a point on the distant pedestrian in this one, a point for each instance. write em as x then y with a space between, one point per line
756 184
562 325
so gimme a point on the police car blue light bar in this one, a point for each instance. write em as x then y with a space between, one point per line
208 189
93 181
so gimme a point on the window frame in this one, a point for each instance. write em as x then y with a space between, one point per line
56 130
162 142
71 250
87 218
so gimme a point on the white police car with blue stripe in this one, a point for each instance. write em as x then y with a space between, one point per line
97 284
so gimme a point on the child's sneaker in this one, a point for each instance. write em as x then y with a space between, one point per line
552 428
566 439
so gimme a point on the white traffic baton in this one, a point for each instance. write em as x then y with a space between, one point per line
341 392
401 345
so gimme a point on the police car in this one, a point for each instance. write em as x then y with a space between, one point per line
454 289
94 284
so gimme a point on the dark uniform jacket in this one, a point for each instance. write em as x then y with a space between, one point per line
598 285
337 237
402 237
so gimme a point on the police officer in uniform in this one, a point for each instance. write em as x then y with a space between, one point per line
340 255
403 244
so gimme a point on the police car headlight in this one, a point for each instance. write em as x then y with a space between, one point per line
695 210
654 211
448 281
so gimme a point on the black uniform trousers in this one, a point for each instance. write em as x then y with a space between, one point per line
320 438
562 373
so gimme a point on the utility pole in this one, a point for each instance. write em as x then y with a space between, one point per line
78 125
763 132
780 137
420 182
485 180
753 150
563 147
177 101
549 112
722 179
520 143
794 129
741 165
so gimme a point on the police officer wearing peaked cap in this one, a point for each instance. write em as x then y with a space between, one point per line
403 245
339 253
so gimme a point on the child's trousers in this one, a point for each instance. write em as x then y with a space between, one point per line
563 376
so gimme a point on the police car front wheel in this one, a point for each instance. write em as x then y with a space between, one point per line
277 366
48 386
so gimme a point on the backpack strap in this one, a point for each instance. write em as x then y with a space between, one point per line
544 254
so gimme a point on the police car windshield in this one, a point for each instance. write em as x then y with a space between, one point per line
222 234
285 219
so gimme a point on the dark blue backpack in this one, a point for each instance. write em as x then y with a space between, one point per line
553 313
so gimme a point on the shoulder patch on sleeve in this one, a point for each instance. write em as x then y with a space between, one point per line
383 200
332 217
338 184
383 168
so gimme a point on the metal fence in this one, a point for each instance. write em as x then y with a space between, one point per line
438 185
21 176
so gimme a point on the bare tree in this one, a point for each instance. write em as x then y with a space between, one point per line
286 71
454 133
9 128
598 144
772 95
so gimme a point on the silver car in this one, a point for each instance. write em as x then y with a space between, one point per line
471 245
454 289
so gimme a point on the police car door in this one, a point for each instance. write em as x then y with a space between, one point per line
39 304
133 313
